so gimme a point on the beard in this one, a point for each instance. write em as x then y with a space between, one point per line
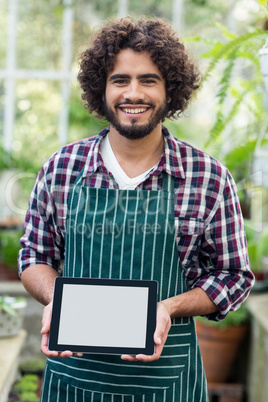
135 131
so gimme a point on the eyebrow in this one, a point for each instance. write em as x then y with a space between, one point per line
141 76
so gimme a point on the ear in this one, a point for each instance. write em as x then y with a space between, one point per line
104 94
168 97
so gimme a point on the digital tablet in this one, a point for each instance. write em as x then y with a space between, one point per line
107 316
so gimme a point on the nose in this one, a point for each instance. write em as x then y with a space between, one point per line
134 93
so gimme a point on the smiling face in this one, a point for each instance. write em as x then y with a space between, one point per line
135 97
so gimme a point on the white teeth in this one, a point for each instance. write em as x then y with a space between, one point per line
134 111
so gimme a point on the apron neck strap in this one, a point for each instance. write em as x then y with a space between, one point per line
79 178
168 181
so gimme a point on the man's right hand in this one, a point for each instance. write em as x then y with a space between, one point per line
45 337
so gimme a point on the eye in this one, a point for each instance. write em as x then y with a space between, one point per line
120 81
149 81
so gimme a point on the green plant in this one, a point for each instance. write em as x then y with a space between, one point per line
257 247
27 387
5 159
245 88
33 366
234 318
240 117
9 161
9 247
29 397
9 304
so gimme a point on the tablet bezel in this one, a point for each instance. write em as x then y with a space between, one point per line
54 345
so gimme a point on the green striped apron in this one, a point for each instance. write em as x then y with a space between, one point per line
127 234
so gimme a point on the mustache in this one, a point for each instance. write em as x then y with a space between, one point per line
140 103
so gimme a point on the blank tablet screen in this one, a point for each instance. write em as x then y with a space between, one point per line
103 316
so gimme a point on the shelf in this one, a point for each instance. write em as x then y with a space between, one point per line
10 349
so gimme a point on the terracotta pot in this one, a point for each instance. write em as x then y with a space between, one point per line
219 348
8 274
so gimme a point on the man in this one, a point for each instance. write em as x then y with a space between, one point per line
163 210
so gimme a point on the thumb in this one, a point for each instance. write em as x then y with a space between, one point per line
45 328
163 324
157 339
46 319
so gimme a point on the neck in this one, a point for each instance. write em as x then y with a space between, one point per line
137 156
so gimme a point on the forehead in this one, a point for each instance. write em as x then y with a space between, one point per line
134 63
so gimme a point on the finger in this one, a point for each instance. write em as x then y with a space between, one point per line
150 358
65 354
144 358
130 358
44 347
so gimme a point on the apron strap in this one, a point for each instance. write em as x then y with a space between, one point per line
168 183
79 178
167 186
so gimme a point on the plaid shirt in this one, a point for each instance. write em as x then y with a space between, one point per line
208 222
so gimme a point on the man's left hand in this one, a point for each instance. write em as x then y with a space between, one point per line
163 324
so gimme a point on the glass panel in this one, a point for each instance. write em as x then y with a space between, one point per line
39 34
2 100
157 8
3 25
36 128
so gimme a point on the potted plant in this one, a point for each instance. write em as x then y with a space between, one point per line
11 315
220 341
258 256
9 248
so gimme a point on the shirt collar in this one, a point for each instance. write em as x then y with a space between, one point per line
170 161
94 161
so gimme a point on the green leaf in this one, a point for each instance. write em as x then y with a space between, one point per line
9 304
232 46
228 34
9 310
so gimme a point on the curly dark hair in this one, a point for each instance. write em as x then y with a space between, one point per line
154 36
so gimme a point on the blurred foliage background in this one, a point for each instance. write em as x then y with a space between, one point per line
227 118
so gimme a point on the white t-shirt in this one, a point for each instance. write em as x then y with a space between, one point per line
114 167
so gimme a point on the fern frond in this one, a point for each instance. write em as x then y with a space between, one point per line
223 121
254 99
240 154
231 47
215 48
228 34
216 130
225 80
234 109
248 55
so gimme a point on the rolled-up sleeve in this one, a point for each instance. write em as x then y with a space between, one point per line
41 243
223 259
